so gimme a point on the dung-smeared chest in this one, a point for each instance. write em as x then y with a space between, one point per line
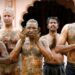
9 39
8 35
33 50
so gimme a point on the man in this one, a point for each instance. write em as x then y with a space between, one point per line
68 34
9 36
31 49
54 66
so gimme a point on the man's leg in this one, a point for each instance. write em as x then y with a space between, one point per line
2 71
70 69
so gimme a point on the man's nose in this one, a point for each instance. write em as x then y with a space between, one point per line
6 17
52 25
31 29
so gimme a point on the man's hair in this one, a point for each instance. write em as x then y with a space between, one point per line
9 9
33 21
55 18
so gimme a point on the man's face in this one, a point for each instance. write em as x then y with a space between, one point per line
8 18
53 25
31 29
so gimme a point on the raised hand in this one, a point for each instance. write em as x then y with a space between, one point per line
23 34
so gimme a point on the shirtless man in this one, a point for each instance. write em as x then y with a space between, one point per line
10 37
54 66
31 49
68 34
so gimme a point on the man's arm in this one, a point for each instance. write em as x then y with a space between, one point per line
5 60
15 52
4 54
64 48
45 50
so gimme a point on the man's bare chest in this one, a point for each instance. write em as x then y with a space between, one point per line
8 36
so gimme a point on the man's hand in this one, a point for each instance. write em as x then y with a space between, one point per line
36 35
5 60
23 34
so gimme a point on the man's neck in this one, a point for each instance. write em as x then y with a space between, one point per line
32 40
8 27
52 32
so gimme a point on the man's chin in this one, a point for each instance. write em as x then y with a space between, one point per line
8 23
30 35
53 30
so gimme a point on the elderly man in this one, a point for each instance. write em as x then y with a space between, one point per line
9 36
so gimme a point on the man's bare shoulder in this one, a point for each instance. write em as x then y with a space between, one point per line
68 25
58 35
2 30
44 37
72 23
16 30
65 28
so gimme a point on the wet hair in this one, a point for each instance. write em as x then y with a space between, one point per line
8 9
33 21
55 18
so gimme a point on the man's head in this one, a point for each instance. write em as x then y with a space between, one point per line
53 23
8 16
32 27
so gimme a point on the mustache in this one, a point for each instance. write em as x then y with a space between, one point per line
53 26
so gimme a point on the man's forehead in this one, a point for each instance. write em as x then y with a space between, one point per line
31 24
52 20
7 13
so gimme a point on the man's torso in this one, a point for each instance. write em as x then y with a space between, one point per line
48 39
31 60
71 40
9 38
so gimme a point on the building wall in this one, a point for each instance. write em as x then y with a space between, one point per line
1 7
21 7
